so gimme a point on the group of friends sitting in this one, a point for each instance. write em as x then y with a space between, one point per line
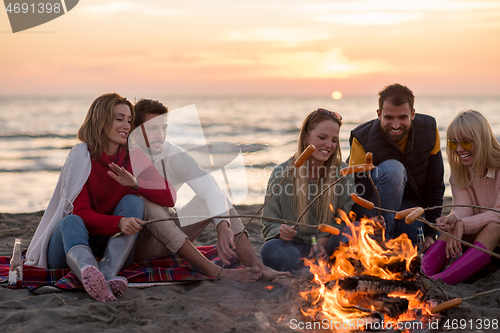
124 172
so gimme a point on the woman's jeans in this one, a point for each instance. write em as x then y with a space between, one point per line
71 231
286 256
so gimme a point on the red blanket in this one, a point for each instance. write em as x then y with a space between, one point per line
166 268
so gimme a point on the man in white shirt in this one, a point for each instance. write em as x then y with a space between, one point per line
179 168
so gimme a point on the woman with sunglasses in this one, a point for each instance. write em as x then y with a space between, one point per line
474 157
286 245
97 196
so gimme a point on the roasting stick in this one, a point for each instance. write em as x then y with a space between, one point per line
321 227
414 214
457 301
300 160
368 166
343 172
470 206
369 160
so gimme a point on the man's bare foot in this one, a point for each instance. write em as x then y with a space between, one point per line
269 274
243 275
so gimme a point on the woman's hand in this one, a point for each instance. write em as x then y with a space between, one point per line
129 225
122 176
322 252
446 223
287 232
454 247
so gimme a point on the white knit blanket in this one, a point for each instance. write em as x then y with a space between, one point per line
74 175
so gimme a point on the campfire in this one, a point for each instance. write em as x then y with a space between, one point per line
370 281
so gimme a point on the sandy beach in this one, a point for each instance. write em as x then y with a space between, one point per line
205 306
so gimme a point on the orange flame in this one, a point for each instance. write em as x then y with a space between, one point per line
372 256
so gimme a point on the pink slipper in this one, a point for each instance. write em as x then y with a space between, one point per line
95 284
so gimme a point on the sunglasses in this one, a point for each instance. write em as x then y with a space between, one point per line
326 113
465 144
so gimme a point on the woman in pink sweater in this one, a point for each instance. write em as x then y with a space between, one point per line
474 157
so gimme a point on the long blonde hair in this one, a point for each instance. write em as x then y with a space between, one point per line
301 179
473 126
98 120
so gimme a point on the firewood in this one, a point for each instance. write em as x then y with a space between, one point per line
392 306
372 285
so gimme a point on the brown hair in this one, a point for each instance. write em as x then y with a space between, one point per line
331 167
396 94
98 120
147 106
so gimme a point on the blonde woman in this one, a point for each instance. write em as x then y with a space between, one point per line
286 245
97 196
474 157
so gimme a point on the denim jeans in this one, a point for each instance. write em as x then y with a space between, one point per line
286 256
71 231
390 179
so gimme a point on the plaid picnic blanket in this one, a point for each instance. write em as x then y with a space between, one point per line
165 268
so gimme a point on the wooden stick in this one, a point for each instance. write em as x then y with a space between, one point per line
201 217
318 196
300 160
457 301
450 235
470 206
369 160
356 169
493 254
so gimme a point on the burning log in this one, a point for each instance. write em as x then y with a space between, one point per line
367 275
372 285
400 267
392 306
395 265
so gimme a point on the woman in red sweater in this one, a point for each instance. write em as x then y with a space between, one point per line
474 157
108 202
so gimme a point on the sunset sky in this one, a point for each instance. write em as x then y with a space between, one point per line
292 47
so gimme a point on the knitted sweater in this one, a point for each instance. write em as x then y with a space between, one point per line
74 174
281 204
101 194
485 192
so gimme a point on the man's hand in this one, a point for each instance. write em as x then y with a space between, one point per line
225 242
122 176
379 225
287 232
427 243
380 221
129 225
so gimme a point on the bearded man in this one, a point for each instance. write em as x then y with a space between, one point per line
409 166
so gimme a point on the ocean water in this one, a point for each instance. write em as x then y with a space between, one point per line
37 132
